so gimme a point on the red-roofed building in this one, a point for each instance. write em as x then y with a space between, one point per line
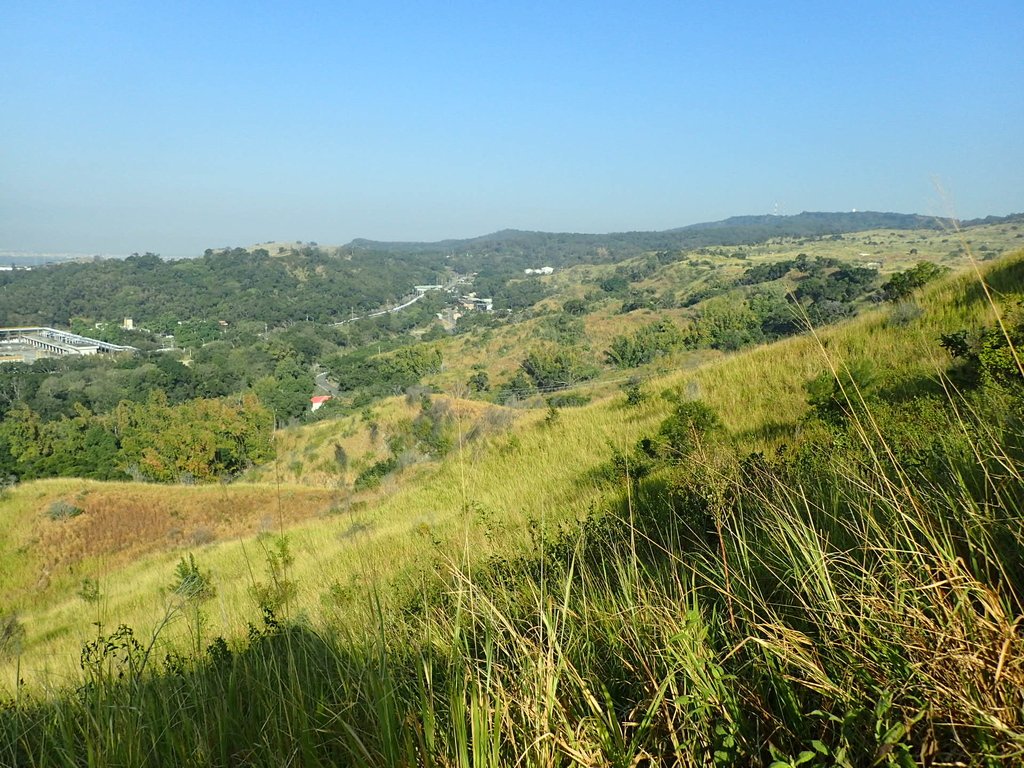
318 400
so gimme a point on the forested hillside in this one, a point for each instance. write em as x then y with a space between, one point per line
594 322
525 249
233 285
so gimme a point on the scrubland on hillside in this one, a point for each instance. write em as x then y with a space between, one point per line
807 553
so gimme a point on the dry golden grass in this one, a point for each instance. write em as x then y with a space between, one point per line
123 522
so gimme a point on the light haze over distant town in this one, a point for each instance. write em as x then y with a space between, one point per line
173 128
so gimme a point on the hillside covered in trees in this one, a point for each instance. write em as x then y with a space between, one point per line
232 285
561 249
590 322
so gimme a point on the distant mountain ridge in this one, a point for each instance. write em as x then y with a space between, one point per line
826 222
736 230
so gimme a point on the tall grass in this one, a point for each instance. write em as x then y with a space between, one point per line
852 598
857 620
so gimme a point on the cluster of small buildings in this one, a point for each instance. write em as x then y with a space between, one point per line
540 271
473 303
468 303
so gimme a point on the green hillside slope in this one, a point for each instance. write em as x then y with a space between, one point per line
808 553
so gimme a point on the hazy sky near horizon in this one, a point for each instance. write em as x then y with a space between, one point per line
175 127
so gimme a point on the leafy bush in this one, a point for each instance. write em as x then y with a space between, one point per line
575 307
630 467
562 329
519 386
645 345
553 416
553 367
190 583
726 324
902 284
991 356
639 298
568 400
433 428
835 396
689 423
776 316
479 382
615 285
371 476
635 395
279 589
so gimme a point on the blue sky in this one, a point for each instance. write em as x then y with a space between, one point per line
174 127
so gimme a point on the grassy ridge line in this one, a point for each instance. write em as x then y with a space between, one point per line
508 487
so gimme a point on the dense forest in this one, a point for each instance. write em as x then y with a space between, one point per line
232 285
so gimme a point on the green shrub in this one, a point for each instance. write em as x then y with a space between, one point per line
990 356
63 510
568 400
557 366
689 423
190 583
433 429
279 589
902 284
553 416
371 476
835 396
575 307
648 343
479 382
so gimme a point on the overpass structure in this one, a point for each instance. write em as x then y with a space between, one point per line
54 342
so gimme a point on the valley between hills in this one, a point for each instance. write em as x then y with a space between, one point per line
744 493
